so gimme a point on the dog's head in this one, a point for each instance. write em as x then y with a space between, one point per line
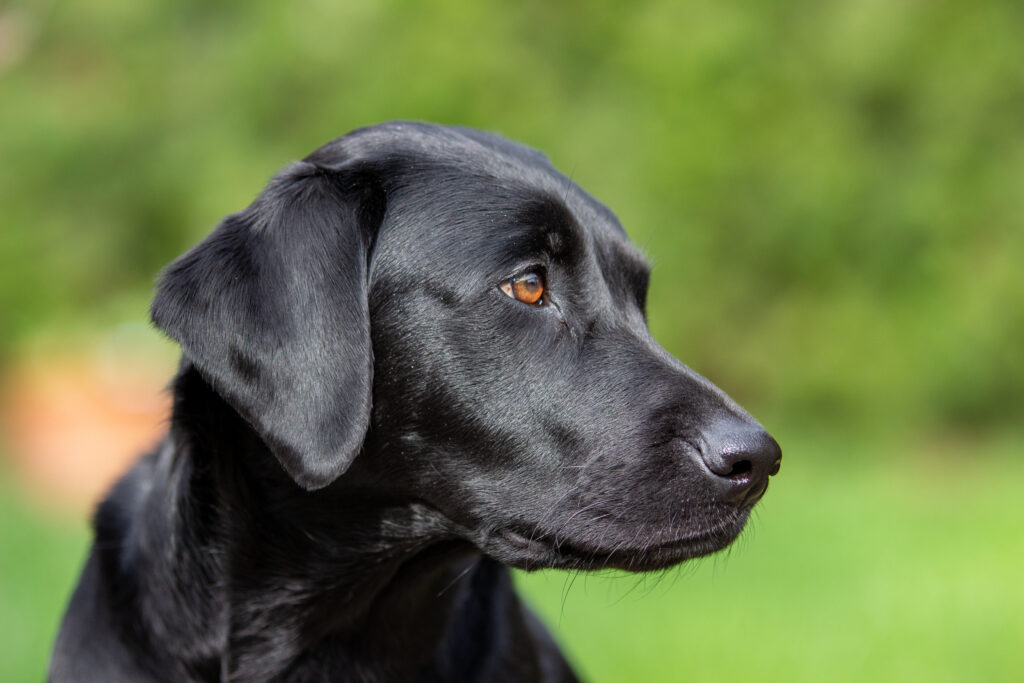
467 321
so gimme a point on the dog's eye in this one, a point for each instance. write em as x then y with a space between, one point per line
528 288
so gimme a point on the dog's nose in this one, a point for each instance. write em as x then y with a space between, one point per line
742 456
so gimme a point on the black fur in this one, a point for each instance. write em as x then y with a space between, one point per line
366 428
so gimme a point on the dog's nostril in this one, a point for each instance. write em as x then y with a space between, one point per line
740 470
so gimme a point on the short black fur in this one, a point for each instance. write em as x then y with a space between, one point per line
367 430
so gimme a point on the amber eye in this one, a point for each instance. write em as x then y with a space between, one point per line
528 288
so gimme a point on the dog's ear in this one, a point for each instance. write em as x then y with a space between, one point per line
272 309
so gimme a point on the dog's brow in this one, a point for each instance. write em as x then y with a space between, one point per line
633 264
636 264
550 223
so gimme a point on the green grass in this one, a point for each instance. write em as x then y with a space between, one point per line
40 557
864 562
895 560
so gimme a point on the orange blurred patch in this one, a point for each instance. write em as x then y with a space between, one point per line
73 424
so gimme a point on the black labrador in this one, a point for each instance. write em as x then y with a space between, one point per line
419 357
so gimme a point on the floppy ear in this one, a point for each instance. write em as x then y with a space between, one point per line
272 309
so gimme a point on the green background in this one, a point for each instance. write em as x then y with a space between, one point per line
832 195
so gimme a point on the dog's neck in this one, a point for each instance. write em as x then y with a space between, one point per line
331 578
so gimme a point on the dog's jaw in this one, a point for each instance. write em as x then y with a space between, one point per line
534 549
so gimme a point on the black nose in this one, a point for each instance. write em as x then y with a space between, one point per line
741 456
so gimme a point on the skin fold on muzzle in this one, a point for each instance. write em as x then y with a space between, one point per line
419 356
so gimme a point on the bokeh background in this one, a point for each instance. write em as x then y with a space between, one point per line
833 198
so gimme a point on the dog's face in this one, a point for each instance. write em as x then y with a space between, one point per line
472 322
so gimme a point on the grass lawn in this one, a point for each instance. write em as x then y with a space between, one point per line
854 569
896 561
40 557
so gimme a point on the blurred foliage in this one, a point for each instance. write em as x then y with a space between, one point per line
831 192
831 195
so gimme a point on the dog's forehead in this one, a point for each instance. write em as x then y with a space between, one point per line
410 141
458 176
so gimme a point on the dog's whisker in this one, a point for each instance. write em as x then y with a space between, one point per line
456 579
572 517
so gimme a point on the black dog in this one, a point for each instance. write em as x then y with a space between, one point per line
420 355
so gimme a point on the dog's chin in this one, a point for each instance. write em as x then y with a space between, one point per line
534 549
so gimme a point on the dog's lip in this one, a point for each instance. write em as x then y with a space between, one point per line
541 548
755 495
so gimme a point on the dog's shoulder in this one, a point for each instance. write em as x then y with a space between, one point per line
88 647
91 643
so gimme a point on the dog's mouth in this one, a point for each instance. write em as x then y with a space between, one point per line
526 548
